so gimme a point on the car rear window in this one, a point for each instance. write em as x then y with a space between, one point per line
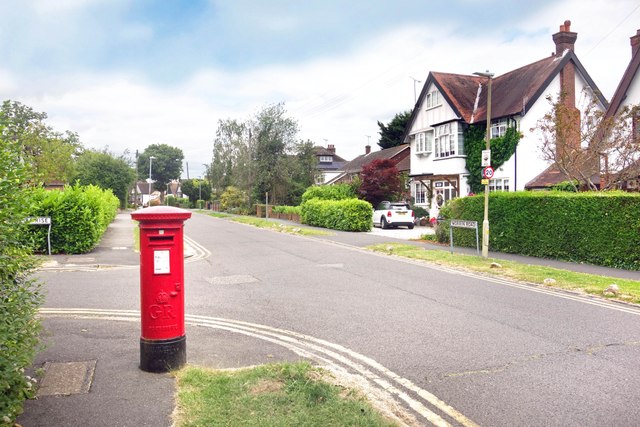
399 207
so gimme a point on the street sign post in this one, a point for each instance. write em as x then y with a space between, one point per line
43 220
461 223
487 172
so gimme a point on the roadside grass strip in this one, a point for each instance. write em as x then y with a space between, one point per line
628 290
288 394
271 225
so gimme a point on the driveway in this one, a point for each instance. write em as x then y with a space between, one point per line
402 233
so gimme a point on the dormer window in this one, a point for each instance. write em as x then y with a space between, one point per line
498 128
326 159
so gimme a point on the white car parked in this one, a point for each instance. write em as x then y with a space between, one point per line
389 214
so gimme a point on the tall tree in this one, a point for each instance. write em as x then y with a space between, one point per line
228 150
274 135
106 170
165 166
50 153
196 189
592 147
391 134
380 180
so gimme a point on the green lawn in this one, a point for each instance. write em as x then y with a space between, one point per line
589 283
270 395
272 225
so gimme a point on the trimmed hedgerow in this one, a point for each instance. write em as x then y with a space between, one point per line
329 192
290 210
79 216
600 228
20 296
345 215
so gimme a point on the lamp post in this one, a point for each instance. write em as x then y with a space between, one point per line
415 99
200 189
151 159
485 222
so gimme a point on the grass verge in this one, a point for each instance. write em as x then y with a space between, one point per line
589 283
290 394
271 225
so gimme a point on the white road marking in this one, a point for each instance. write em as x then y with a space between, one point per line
383 380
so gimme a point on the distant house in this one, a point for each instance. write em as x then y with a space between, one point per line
450 103
628 94
141 191
330 165
399 155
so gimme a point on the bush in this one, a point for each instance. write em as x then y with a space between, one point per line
596 228
293 210
20 296
79 217
346 215
329 192
233 199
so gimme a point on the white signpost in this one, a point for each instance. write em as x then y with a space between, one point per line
43 220
461 223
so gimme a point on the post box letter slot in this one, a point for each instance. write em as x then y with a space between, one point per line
161 238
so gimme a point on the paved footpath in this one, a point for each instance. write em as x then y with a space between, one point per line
92 376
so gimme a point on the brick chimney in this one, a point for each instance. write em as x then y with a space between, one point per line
564 39
635 43
367 149
331 148
569 132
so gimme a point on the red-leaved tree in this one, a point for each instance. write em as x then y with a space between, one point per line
380 180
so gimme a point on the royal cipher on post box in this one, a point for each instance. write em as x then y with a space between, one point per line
163 342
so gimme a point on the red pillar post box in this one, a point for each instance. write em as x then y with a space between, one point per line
163 343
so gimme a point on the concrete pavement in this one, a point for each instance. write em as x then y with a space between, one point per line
119 393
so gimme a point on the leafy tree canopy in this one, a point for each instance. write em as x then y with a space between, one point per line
50 153
380 181
165 166
391 134
194 188
107 171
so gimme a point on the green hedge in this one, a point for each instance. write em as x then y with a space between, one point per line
329 192
79 216
346 215
596 228
295 210
20 296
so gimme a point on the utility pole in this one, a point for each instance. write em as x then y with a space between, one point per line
415 98
485 222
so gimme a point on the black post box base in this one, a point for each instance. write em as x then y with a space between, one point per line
163 355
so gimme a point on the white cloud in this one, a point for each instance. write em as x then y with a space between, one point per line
337 98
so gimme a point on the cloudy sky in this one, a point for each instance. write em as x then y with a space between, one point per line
130 73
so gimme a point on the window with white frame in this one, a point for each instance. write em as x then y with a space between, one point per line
499 184
498 128
424 142
428 144
326 159
444 191
447 142
420 193
420 142
433 99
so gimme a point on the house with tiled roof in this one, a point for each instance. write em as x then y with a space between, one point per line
399 155
450 103
329 164
627 94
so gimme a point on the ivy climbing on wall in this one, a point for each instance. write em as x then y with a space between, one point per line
502 148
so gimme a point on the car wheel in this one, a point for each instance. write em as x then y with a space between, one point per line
410 226
383 223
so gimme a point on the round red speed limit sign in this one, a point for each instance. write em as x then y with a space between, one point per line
487 172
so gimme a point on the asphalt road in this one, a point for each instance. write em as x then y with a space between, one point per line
465 348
